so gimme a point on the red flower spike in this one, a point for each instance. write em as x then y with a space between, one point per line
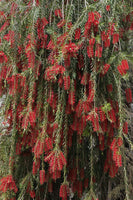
42 177
77 33
113 144
119 141
85 79
4 26
108 7
3 57
91 17
64 191
32 194
32 117
61 23
124 65
66 82
118 161
115 38
128 95
105 69
106 40
90 51
92 42
58 13
71 98
48 144
7 183
125 128
98 52
121 71
91 96
63 159
102 115
112 116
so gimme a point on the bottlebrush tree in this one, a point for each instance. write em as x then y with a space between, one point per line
65 74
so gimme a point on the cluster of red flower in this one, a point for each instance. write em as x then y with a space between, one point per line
55 80
7 183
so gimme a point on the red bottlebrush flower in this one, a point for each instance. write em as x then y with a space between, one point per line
111 29
102 115
44 21
98 52
55 175
85 79
91 95
66 82
56 160
113 144
105 69
32 194
70 48
69 25
18 148
119 141
110 87
36 166
38 148
60 82
113 170
95 121
111 131
7 183
64 191
32 117
87 31
10 37
108 7
37 3
71 98
90 51
125 127
91 17
61 23
48 144
112 116
3 57
118 161
128 95
92 41
31 59
120 69
115 38
58 13
25 122
4 26
107 43
124 65
77 33
42 177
